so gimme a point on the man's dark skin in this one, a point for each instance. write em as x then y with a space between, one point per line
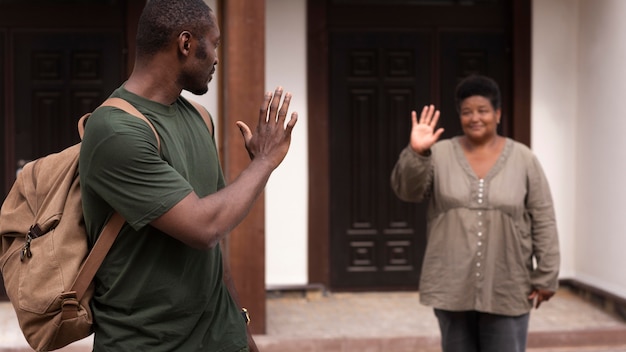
186 63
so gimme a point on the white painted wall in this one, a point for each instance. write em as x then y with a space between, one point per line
554 111
579 81
286 196
601 211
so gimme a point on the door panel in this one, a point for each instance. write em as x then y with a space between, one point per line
473 52
57 62
465 37
377 78
70 74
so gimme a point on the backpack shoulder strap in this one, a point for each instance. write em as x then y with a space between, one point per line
96 255
116 221
122 105
205 115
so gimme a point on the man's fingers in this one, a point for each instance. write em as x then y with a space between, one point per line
292 122
275 104
264 107
245 130
282 113
272 109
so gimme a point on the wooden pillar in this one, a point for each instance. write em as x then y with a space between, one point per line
522 58
319 194
242 72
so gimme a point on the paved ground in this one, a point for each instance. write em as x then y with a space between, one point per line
397 322
390 322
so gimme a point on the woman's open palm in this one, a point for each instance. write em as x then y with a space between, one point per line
423 134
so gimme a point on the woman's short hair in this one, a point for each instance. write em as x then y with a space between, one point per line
163 20
478 85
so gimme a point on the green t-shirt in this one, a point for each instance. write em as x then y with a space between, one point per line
154 293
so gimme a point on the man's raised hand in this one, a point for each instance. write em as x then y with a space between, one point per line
272 137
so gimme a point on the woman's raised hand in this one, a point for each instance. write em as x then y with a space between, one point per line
423 134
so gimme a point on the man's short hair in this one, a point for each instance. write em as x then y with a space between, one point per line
163 20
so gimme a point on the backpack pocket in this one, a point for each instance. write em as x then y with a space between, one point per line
41 279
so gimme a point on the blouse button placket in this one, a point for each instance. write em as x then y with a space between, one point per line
480 232
481 191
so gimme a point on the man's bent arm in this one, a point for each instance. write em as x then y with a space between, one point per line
202 222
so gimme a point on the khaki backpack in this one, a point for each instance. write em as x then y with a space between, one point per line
44 259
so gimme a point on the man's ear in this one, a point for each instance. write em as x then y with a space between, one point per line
184 41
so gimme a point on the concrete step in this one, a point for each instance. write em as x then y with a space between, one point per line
601 340
593 340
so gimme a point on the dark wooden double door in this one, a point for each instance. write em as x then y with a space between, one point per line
55 67
377 77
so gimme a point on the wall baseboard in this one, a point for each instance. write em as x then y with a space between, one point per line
609 302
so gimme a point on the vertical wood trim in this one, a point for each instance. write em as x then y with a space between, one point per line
243 68
522 56
318 85
9 117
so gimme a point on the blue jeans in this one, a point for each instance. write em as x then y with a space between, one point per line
473 331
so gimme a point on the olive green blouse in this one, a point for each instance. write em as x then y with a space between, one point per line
490 241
